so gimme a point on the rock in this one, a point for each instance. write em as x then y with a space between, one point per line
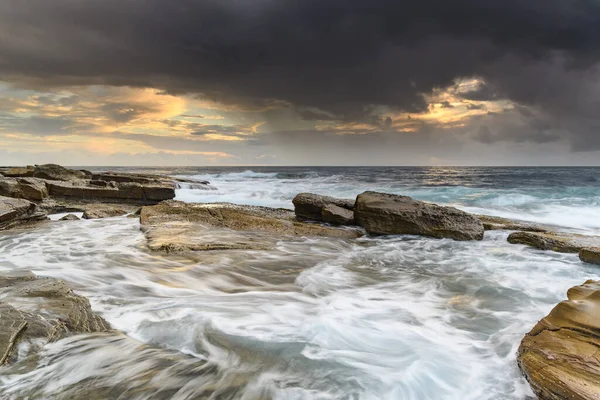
17 172
96 211
9 187
88 174
555 241
337 215
387 214
308 206
559 356
492 223
130 191
590 255
40 310
24 188
17 211
56 172
178 226
33 188
70 217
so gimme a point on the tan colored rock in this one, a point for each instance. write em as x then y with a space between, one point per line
18 211
590 255
492 223
46 309
337 215
56 172
178 226
560 357
388 214
16 172
135 192
33 188
96 211
556 241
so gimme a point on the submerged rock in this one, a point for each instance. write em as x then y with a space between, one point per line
18 211
492 223
388 214
310 206
559 357
37 309
556 241
95 211
177 226
590 255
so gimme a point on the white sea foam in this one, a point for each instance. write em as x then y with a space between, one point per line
383 318
396 317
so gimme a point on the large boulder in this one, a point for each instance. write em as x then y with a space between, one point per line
309 206
178 226
590 255
559 357
40 310
17 211
56 172
556 241
96 211
388 214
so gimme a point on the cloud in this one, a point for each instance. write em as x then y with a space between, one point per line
352 67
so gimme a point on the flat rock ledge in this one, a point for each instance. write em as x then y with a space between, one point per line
41 310
556 241
177 226
560 357
492 223
388 214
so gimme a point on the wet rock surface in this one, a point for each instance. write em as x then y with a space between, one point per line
560 356
556 241
177 226
387 214
40 310
337 215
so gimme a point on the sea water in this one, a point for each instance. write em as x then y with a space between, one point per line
396 317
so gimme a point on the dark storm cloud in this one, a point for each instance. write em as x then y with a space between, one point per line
336 58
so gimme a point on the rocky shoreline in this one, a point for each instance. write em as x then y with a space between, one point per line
558 357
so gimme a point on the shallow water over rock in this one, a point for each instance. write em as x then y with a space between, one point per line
396 317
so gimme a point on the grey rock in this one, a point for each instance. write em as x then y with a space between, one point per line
385 214
337 215
70 217
561 242
309 206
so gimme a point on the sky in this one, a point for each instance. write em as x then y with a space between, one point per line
300 82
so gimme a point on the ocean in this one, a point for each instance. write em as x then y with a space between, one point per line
395 317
